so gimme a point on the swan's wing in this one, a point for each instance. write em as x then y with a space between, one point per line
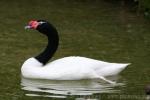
81 67
77 62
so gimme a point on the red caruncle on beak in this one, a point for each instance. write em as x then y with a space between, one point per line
33 24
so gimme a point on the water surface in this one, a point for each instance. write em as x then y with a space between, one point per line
104 30
65 89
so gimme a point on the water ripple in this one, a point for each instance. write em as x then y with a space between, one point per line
61 89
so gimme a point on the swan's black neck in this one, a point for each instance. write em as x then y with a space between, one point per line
53 41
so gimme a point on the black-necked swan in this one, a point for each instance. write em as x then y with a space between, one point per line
67 68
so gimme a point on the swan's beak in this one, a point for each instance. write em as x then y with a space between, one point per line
33 24
27 27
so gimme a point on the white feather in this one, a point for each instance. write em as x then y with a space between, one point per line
70 68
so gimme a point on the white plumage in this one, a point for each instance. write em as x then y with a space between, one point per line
70 68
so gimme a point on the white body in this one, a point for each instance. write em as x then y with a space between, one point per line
70 68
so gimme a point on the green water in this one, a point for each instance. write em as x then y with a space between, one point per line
91 28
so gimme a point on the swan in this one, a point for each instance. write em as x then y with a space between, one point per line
67 68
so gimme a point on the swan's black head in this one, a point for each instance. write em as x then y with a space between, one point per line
47 29
42 26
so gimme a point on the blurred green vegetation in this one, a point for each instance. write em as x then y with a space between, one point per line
145 3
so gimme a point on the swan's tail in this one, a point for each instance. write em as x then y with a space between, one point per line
111 70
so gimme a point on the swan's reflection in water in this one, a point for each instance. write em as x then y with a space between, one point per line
61 89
